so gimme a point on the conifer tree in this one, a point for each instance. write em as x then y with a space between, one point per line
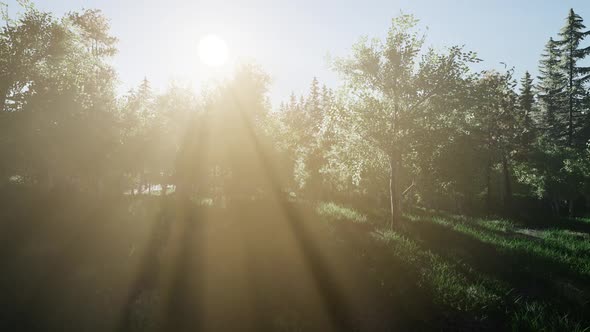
526 97
313 107
572 34
551 91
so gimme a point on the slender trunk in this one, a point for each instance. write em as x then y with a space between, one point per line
393 193
392 204
3 93
507 184
140 184
554 201
570 208
570 132
489 185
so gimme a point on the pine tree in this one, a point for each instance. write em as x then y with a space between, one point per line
551 91
572 35
313 107
526 97
526 107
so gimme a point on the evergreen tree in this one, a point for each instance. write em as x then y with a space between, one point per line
313 107
551 91
572 35
526 97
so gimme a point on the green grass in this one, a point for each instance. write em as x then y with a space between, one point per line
459 290
492 270
539 276
332 211
561 246
434 272
535 316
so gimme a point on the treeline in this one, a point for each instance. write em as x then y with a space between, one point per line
410 125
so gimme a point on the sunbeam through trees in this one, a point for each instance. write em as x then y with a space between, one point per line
422 192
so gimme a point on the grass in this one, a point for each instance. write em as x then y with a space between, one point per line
284 267
450 286
496 273
334 212
536 316
538 277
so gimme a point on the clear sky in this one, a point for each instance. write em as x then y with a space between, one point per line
291 39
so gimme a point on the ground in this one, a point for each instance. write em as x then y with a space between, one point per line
142 263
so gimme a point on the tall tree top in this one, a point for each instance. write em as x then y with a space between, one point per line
526 96
572 34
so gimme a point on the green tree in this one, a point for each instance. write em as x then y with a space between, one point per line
58 98
25 45
572 34
552 92
499 125
391 83
526 98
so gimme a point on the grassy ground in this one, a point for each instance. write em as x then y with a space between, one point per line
142 264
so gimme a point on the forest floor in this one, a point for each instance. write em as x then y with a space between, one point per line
138 264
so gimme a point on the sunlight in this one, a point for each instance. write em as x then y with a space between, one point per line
400 183
213 51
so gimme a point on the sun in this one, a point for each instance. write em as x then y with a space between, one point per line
213 51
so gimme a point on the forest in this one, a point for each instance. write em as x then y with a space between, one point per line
418 195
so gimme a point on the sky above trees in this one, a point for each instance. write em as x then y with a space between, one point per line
292 41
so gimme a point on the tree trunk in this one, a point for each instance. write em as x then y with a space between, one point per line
570 133
489 186
507 184
3 92
394 193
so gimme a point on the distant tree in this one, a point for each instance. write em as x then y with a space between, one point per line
228 147
173 110
307 129
552 92
499 124
93 28
526 98
527 106
138 115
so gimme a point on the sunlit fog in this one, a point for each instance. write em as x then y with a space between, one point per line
294 166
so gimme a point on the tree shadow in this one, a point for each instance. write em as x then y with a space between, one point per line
527 273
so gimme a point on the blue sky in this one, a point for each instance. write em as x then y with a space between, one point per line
290 39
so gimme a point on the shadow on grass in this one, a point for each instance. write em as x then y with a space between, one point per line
502 256
141 265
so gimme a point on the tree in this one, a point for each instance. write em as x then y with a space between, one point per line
25 45
228 151
528 109
572 34
499 124
307 131
52 90
526 98
391 83
138 120
552 92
